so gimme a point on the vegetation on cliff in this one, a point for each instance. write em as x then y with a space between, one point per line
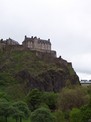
20 71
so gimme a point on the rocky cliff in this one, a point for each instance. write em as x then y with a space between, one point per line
23 70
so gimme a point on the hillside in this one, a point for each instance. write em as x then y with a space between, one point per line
20 71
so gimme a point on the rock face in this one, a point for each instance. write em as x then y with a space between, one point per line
27 69
52 79
48 81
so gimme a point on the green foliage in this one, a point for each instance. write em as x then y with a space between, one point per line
18 115
3 97
5 109
50 99
86 113
75 115
10 119
66 115
59 115
17 110
70 70
16 91
37 98
73 97
34 99
42 115
22 108
6 78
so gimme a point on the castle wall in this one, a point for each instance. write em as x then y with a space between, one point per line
29 45
45 46
53 53
35 43
39 46
48 47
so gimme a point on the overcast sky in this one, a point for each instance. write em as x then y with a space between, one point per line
66 22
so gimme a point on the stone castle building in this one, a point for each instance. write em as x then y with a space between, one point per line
33 44
38 44
9 42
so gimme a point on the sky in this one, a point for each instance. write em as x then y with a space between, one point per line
66 22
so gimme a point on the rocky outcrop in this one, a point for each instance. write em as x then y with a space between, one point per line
32 69
51 80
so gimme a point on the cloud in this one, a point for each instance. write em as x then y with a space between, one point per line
84 76
82 63
66 22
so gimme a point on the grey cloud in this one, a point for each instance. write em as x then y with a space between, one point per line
66 23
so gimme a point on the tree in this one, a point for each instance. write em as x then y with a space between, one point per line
34 99
50 99
75 115
72 98
17 114
42 115
3 97
59 116
5 109
21 110
86 113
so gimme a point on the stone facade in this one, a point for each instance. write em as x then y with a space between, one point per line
33 44
38 44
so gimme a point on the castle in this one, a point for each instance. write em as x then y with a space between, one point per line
33 43
38 44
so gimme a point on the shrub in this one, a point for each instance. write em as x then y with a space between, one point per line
59 116
42 115
75 115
